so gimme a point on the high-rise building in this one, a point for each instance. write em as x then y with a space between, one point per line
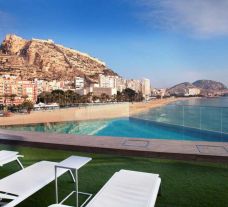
107 81
146 90
120 84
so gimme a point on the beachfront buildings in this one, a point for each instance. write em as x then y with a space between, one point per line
193 92
110 84
105 85
107 81
140 86
14 91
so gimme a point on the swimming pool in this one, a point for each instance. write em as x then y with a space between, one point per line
195 122
126 127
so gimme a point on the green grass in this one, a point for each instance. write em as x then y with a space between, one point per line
184 183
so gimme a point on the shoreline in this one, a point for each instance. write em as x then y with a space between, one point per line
140 107
108 111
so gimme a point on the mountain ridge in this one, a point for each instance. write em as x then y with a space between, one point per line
209 85
205 86
43 59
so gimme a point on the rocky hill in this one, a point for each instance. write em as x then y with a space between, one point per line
209 85
180 89
207 88
44 59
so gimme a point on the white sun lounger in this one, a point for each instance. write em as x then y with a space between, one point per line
9 156
22 184
128 189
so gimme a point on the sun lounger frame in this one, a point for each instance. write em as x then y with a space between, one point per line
10 156
12 187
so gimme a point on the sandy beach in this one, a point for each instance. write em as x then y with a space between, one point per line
144 106
85 113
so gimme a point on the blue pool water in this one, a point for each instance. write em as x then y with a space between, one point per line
198 120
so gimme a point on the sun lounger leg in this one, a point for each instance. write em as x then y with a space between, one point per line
56 186
76 186
73 178
19 162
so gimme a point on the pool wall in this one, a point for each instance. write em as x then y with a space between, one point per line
205 134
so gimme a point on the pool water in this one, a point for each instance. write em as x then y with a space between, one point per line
127 127
196 119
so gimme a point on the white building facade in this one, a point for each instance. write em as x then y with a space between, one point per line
107 81
79 83
146 89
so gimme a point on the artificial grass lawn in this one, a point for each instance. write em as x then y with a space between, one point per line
184 183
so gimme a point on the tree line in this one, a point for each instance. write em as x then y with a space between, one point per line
69 97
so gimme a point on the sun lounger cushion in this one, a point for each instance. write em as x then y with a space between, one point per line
128 189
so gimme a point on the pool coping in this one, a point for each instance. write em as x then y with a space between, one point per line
173 149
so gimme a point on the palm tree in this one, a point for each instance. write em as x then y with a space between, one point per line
12 98
119 96
28 105
69 96
104 97
77 98
6 96
114 98
45 97
95 98
24 97
57 96
129 94
89 97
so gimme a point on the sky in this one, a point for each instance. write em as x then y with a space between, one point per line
167 41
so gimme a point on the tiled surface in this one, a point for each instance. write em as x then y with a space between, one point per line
146 147
136 143
212 150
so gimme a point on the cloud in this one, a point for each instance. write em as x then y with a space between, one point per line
206 18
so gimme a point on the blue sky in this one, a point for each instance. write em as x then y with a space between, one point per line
168 41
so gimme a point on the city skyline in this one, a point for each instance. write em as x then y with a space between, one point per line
135 38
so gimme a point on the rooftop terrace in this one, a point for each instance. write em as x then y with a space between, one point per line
184 183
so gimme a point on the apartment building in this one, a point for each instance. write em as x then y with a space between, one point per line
79 83
13 91
146 88
1 90
107 81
